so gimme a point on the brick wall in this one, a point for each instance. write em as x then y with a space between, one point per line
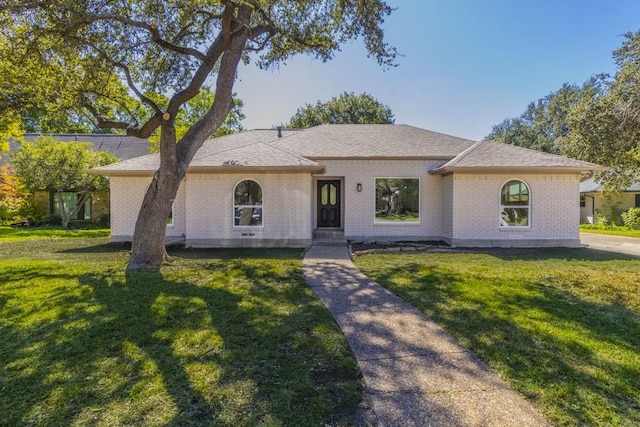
286 208
462 208
554 213
359 207
447 206
126 198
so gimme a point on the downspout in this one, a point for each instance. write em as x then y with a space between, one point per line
593 207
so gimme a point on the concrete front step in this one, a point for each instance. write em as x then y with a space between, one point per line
317 241
328 237
328 233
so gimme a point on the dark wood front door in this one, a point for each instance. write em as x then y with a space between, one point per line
329 203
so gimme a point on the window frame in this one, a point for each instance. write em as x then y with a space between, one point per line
171 220
502 207
419 204
54 209
234 206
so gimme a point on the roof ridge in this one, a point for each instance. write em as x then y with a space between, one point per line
463 154
288 152
236 145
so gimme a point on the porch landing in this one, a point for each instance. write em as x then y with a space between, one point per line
328 237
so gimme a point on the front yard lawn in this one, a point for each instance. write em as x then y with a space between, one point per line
216 338
17 234
612 230
561 326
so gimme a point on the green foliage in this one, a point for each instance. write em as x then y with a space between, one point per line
544 123
611 215
48 164
631 218
218 338
561 326
343 109
602 220
114 59
196 108
609 229
598 122
605 126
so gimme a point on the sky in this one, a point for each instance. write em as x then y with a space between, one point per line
465 65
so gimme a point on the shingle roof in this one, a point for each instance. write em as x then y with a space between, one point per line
495 155
122 146
250 149
372 141
592 186
305 150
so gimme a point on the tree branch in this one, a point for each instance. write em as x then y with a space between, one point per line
127 73
151 28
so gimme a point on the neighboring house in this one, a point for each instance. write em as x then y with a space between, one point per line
122 146
370 182
591 199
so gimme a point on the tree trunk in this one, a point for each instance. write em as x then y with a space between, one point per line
148 248
64 215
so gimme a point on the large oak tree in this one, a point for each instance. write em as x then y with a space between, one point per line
75 52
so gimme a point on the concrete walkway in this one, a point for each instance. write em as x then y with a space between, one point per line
606 242
415 374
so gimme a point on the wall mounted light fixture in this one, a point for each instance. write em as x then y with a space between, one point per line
358 187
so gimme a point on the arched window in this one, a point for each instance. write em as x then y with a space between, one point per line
515 204
247 204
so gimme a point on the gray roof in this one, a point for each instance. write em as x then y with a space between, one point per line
496 155
305 150
122 146
251 149
372 141
592 186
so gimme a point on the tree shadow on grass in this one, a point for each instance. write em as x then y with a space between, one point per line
576 358
246 348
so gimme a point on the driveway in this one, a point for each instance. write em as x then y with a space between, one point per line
605 242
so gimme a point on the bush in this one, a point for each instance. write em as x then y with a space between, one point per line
631 218
601 219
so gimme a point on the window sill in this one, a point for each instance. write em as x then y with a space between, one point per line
403 224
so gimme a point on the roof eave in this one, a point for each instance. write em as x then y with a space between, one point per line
515 169
249 168
422 158
213 169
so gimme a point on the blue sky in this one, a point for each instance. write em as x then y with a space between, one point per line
466 64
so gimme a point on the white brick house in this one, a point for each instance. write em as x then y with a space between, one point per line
373 182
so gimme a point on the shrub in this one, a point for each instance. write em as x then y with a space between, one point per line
631 218
601 219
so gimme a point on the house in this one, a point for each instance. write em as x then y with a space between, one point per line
592 199
121 146
371 182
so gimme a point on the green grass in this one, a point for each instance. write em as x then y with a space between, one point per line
561 326
216 338
16 234
613 230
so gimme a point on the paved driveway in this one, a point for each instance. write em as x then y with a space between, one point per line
605 242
